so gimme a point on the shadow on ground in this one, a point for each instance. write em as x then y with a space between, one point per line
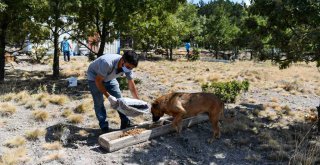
35 80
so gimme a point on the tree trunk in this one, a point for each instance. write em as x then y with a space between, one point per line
4 27
103 38
56 53
55 66
216 53
171 52
167 50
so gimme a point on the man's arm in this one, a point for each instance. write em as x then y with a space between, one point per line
99 83
70 45
133 89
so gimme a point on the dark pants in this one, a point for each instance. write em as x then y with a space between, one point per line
113 89
66 55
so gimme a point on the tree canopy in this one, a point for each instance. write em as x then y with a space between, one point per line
282 31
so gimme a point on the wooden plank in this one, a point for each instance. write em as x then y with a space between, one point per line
112 141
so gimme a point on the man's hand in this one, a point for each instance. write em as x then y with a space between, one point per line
113 102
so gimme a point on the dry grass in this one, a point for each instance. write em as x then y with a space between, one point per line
8 96
22 97
66 112
269 114
35 134
52 146
253 157
15 142
291 86
75 118
83 133
237 125
93 125
113 117
58 99
274 99
252 101
40 115
44 103
85 106
7 109
278 156
31 105
52 157
2 123
306 155
14 156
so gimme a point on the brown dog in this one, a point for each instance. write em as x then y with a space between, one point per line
183 105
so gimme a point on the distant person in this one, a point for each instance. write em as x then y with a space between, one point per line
102 74
65 48
187 45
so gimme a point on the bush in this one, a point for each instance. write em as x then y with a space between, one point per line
226 91
195 56
160 51
124 84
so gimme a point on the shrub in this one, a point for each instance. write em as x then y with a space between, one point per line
52 146
15 142
35 134
38 54
14 156
160 51
66 113
7 109
75 118
40 115
226 91
195 56
124 84
58 99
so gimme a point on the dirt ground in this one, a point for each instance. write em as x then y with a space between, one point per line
42 121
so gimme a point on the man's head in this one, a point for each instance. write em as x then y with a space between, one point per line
64 38
130 60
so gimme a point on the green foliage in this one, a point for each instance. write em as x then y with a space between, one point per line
293 27
15 24
123 82
195 55
220 31
38 54
226 91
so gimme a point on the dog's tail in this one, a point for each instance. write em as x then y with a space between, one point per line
222 115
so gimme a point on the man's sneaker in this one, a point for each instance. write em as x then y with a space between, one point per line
125 125
105 130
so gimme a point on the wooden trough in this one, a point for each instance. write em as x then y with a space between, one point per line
115 140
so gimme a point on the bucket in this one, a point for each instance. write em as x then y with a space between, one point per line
73 82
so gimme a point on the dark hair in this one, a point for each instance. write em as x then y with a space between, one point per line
131 57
